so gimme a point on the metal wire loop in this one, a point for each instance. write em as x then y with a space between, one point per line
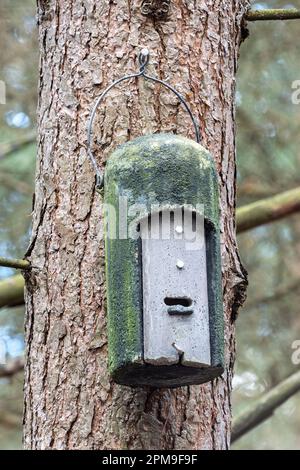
143 58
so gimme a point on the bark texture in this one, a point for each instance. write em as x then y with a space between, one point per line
70 401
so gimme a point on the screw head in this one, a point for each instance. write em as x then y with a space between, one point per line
180 264
144 56
179 229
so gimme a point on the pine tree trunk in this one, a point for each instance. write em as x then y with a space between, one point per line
70 401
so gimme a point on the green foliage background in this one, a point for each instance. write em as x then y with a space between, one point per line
268 158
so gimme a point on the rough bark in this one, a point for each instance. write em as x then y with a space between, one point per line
70 401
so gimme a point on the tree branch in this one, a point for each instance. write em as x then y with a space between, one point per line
14 263
268 210
12 291
280 292
273 14
11 420
265 406
13 183
12 368
7 149
252 189
249 216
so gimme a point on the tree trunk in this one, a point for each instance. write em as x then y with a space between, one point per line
70 401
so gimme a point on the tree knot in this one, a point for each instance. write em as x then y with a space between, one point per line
157 8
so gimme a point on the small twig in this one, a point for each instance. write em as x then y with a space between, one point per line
14 263
7 149
273 14
268 210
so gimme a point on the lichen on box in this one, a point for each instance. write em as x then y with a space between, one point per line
153 171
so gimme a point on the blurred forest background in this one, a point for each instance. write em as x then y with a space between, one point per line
268 160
